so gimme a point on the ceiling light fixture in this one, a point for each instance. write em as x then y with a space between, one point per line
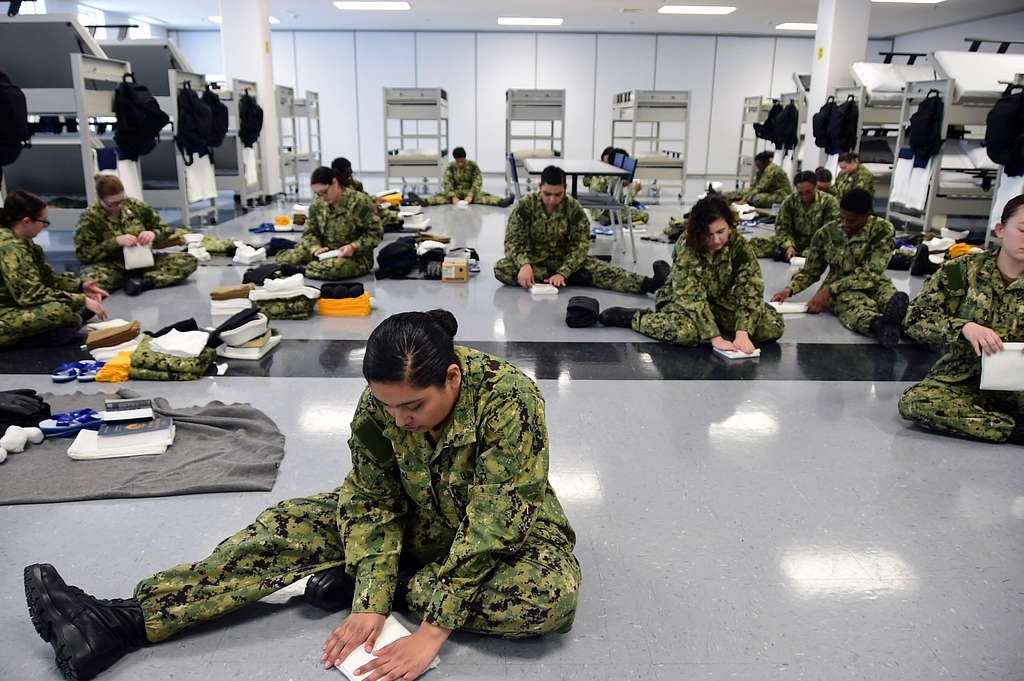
696 9
357 5
530 21
911 2
797 26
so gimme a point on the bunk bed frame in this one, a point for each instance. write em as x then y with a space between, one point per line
533 108
637 120
403 156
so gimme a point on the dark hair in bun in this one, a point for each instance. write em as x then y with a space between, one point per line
325 175
20 205
412 347
343 168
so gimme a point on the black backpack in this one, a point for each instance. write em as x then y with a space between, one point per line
843 127
396 260
926 136
1004 131
250 119
219 118
14 131
194 122
139 119
766 130
821 120
787 128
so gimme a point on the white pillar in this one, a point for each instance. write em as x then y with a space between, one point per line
841 39
245 41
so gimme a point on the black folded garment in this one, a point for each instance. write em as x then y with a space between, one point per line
278 244
21 407
271 270
189 324
582 312
341 290
233 322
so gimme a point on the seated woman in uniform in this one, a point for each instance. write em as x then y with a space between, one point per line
341 219
715 288
37 306
390 221
601 184
117 222
447 514
974 304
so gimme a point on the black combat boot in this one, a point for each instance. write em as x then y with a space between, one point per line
887 333
922 264
896 309
507 201
413 199
779 254
133 286
619 316
652 284
581 277
87 634
331 590
54 338
1017 436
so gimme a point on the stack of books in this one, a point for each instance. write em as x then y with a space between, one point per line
130 428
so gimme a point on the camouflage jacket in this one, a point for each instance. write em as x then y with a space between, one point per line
854 263
730 279
469 180
96 236
487 480
772 181
966 289
532 236
797 223
26 279
858 179
353 221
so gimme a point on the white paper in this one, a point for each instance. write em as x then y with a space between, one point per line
797 262
1004 370
736 354
86 447
131 178
544 290
138 257
393 630
109 324
789 308
193 182
249 165
329 255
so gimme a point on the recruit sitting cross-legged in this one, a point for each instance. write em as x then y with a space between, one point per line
463 181
852 175
770 184
800 216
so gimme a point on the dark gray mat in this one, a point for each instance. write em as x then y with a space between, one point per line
217 448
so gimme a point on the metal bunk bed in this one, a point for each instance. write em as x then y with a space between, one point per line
638 117
307 121
404 155
238 168
755 110
288 138
960 183
1005 188
63 72
525 110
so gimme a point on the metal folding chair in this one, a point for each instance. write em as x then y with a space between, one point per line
514 175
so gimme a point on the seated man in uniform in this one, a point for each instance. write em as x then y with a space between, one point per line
547 239
852 175
856 250
463 181
823 178
800 216
770 185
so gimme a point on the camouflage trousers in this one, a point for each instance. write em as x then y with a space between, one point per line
639 217
529 593
755 199
148 365
673 324
481 199
299 307
857 310
765 246
19 323
597 272
168 269
332 269
962 408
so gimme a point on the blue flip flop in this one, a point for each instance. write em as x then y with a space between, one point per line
88 372
67 424
66 372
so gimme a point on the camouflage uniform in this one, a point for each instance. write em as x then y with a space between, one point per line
462 183
770 186
967 289
353 221
476 512
861 178
796 224
96 246
299 307
33 298
557 244
390 221
856 271
601 184
708 295
149 365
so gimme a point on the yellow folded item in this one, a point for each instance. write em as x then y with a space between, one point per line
345 307
956 250
282 220
394 199
116 370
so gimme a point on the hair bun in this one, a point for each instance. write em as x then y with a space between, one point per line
446 319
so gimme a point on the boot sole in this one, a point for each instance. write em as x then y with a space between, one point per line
62 636
39 604
896 309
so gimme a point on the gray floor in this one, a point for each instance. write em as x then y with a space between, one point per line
727 530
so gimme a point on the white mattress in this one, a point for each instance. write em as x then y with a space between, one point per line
886 81
407 155
977 74
533 153
660 159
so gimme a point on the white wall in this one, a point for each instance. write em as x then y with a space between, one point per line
1005 27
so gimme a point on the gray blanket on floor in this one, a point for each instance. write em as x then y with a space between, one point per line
217 448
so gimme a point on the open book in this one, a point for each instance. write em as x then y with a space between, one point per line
393 630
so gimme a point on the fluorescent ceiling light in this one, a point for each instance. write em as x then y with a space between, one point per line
797 26
696 9
912 2
372 5
530 21
216 19
275 20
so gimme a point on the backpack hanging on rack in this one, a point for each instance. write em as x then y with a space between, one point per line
139 119
14 130
766 129
250 119
194 121
820 122
843 127
1004 131
787 128
219 118
926 134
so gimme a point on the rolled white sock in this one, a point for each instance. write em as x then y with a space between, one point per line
3 455
35 435
14 440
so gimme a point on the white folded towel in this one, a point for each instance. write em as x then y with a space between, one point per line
199 253
289 287
109 353
247 255
220 307
180 343
429 245
193 239
1004 370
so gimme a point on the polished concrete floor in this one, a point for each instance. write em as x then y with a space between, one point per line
778 523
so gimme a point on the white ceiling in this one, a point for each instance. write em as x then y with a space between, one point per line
751 17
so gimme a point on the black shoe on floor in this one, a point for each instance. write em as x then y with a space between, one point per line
618 316
88 634
507 201
887 333
331 590
779 255
661 270
1017 436
413 199
896 309
922 265
581 277
133 286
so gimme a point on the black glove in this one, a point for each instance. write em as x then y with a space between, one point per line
20 402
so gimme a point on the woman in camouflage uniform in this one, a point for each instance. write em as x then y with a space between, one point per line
37 305
447 513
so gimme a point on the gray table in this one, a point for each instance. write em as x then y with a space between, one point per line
574 168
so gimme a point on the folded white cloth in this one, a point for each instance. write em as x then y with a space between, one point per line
736 354
249 166
917 189
107 354
1004 370
247 255
289 287
108 324
181 343
137 257
230 306
328 255
193 239
131 178
428 245
199 253
789 308
939 245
